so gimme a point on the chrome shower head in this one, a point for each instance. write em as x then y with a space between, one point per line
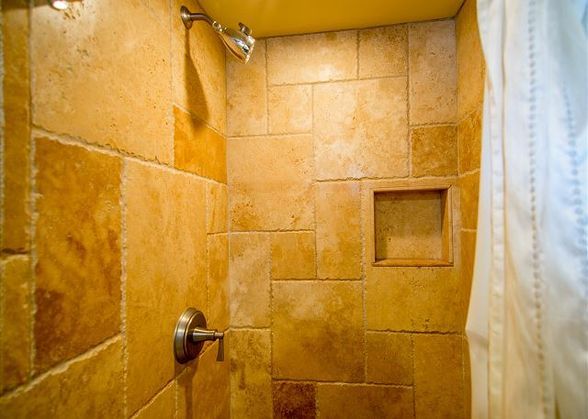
240 43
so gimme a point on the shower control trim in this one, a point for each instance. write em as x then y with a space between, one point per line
190 335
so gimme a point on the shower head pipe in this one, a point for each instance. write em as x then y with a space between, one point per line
240 43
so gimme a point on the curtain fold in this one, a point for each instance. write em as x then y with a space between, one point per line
528 316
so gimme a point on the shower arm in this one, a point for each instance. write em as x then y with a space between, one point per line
188 17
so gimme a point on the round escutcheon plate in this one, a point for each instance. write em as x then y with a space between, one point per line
184 349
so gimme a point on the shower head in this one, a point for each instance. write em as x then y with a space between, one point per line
240 43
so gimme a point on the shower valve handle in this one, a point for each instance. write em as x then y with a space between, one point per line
199 334
190 335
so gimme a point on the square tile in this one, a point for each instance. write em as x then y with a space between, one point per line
293 255
383 52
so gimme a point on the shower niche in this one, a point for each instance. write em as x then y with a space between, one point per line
411 224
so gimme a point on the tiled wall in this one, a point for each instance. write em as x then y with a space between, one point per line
313 121
470 88
114 210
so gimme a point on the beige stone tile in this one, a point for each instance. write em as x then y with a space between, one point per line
468 193
318 330
434 151
353 137
249 273
470 61
218 282
293 255
364 401
383 52
439 387
198 69
163 406
247 94
198 148
468 256
217 198
312 58
290 109
469 141
389 358
107 78
433 72
424 299
78 244
204 387
16 130
89 387
270 183
294 400
251 381
338 230
15 339
165 269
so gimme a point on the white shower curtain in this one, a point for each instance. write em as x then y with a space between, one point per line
528 316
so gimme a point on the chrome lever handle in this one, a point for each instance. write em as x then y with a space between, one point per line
198 334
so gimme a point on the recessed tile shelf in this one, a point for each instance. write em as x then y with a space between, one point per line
412 225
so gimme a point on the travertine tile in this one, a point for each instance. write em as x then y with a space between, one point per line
469 141
383 52
468 193
439 387
251 381
204 387
78 250
217 198
15 339
198 69
318 331
338 230
433 72
247 94
389 358
424 299
364 401
107 78
468 256
293 255
198 148
270 183
218 282
290 109
249 270
90 387
165 269
163 406
311 58
294 400
470 60
434 151
16 130
354 138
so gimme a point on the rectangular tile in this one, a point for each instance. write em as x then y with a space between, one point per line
338 230
365 401
360 129
294 400
383 52
107 79
293 255
389 358
218 282
270 183
312 58
198 148
249 272
434 151
290 109
78 242
433 72
166 269
318 331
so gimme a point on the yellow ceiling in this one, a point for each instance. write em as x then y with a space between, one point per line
285 17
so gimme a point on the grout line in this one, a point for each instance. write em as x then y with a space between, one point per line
469 172
357 61
405 178
235 233
152 399
123 284
268 136
415 332
198 118
249 328
363 246
434 125
335 81
293 280
341 383
63 366
79 142
412 347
